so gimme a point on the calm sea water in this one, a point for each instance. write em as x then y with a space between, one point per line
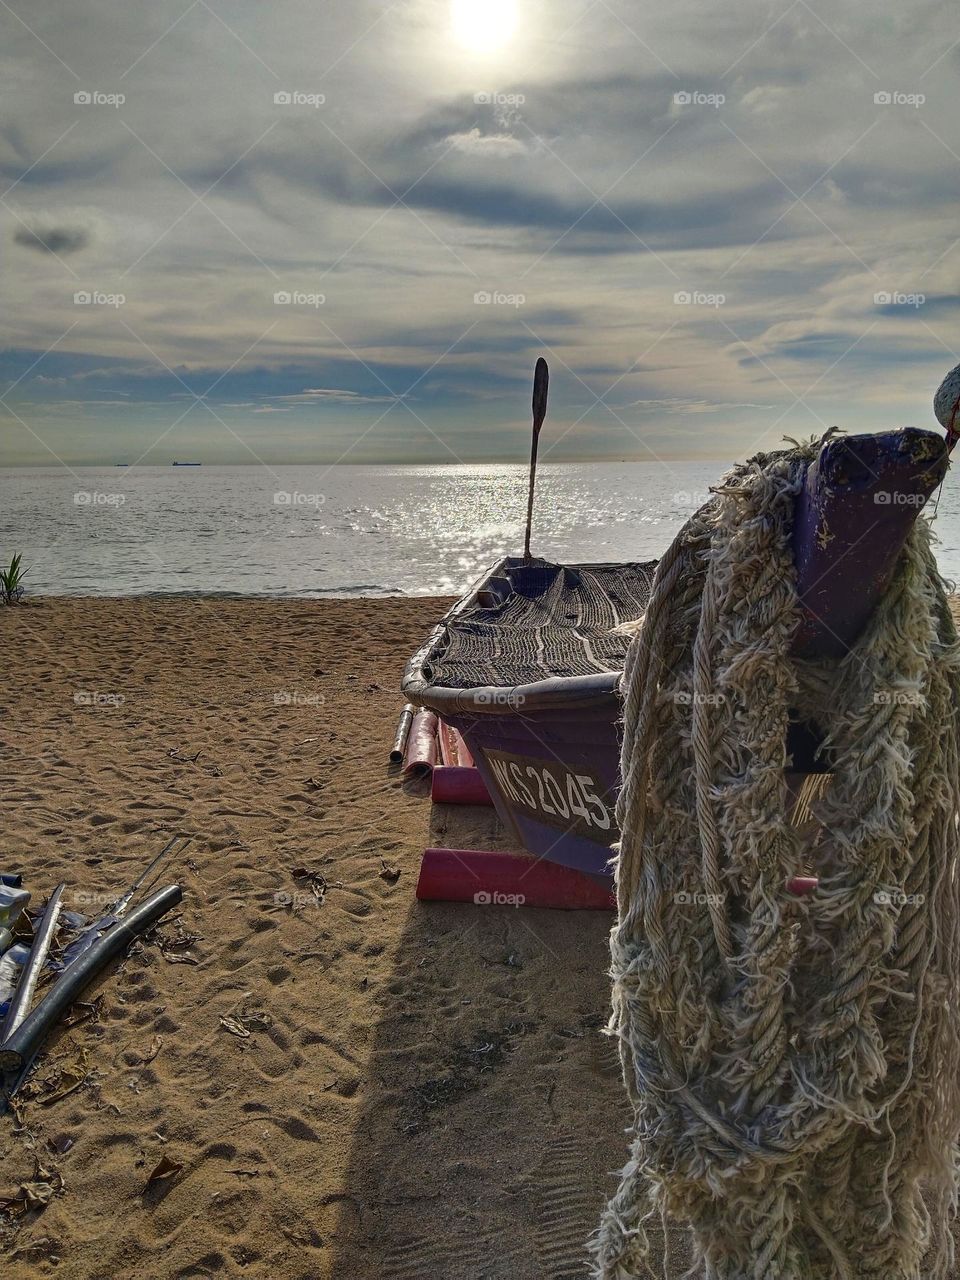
343 531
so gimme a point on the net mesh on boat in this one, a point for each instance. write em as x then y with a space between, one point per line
537 620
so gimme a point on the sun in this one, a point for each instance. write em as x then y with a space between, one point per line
483 26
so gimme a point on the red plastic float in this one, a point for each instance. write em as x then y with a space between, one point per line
490 878
455 785
509 880
800 886
453 750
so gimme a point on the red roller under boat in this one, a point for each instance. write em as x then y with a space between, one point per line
507 879
489 878
421 745
455 785
453 750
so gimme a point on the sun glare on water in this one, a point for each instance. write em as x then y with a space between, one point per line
483 26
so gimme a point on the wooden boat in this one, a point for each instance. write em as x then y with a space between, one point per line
527 665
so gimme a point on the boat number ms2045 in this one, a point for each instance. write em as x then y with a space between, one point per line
571 799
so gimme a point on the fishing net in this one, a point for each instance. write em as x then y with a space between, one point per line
793 1063
539 620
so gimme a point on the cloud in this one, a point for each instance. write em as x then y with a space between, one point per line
480 144
561 170
763 98
687 405
289 403
337 396
45 233
83 404
59 240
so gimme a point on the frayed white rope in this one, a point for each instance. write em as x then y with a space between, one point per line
793 1064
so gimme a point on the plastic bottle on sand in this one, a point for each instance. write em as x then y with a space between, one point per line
11 966
12 902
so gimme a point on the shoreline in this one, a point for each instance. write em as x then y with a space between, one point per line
388 594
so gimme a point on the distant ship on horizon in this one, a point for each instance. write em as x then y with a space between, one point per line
186 464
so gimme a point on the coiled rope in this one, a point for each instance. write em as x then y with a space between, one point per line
793 1064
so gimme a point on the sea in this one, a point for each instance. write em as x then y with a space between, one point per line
328 531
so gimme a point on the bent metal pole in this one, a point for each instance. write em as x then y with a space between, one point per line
30 974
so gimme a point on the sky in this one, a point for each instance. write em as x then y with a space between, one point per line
246 232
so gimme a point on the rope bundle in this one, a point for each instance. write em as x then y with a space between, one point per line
793 1064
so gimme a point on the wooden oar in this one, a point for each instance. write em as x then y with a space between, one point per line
541 380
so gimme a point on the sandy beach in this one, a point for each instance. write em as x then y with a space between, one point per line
346 1084
353 1084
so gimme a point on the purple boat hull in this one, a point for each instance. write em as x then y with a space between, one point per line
553 778
862 496
549 751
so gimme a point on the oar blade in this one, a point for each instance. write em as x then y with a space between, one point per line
541 382
541 379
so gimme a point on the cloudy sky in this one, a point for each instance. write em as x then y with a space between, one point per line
297 232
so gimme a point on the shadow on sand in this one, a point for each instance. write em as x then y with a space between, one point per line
494 1114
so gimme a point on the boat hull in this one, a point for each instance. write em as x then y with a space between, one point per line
552 776
549 750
